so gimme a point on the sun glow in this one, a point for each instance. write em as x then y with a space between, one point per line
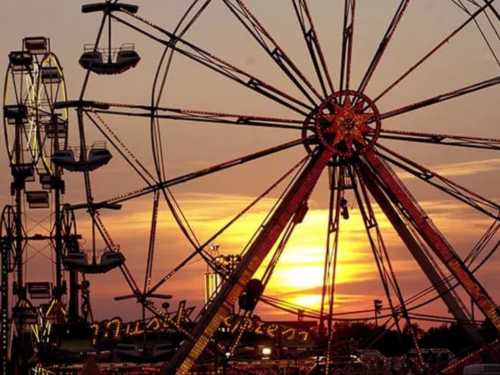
298 277
312 301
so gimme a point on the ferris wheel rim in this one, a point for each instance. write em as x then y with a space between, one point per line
20 100
63 114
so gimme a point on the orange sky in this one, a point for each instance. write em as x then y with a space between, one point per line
208 203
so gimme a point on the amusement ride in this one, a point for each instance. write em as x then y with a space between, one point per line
339 124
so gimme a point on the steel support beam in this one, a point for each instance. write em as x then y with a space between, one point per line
223 303
431 235
439 283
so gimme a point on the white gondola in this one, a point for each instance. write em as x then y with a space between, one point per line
20 60
46 180
37 45
39 289
54 126
23 171
97 156
90 58
109 61
79 262
16 113
37 199
65 159
50 75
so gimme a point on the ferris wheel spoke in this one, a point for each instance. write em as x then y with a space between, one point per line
431 235
193 12
52 96
183 114
266 41
332 226
441 139
191 176
218 309
492 8
461 5
382 260
129 279
313 46
138 166
419 251
347 40
18 95
490 21
220 66
106 237
337 176
457 191
383 45
181 219
48 95
443 97
433 51
212 238
377 245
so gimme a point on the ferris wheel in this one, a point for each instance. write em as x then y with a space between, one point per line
34 83
33 130
338 123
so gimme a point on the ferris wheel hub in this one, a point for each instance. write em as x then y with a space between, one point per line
346 122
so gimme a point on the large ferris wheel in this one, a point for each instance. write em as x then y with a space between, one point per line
339 123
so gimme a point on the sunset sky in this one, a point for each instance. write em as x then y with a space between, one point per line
208 203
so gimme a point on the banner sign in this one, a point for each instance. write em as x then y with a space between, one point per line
293 332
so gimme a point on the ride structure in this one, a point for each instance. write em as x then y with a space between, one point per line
340 125
33 131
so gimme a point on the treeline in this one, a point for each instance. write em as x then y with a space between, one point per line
391 342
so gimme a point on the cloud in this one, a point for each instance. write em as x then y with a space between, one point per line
299 276
467 168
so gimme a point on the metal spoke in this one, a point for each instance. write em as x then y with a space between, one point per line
127 155
184 114
430 234
212 238
433 51
379 249
420 253
383 45
443 97
457 191
462 6
219 308
492 8
347 39
151 244
336 176
266 41
185 22
313 46
376 242
191 176
441 139
218 65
